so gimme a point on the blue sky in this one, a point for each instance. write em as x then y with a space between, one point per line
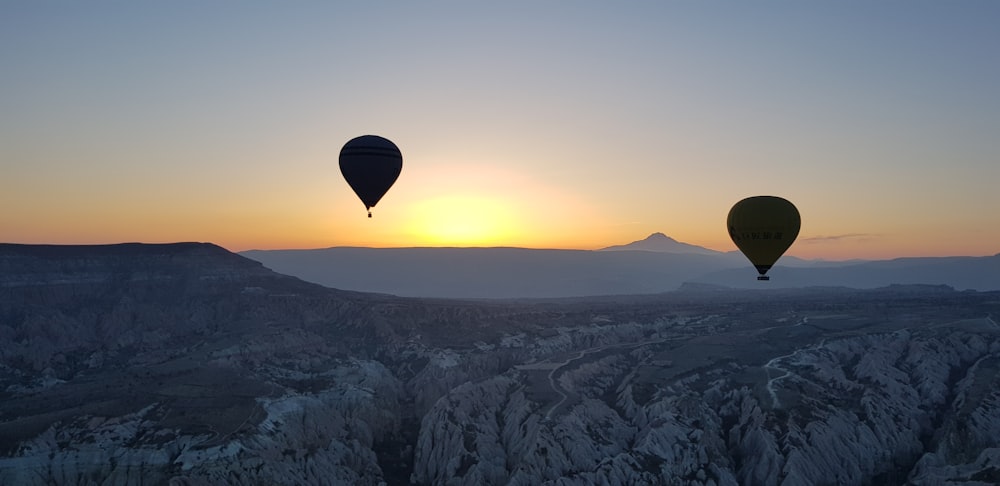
540 124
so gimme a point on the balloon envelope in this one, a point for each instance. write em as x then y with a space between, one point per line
763 227
370 164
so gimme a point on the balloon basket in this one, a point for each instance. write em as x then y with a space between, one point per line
763 277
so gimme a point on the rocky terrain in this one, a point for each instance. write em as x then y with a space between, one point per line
187 364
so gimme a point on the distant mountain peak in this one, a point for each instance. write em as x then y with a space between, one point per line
658 236
660 242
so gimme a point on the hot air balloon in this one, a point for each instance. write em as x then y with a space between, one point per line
763 227
370 164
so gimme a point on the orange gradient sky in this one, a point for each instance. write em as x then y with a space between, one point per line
551 125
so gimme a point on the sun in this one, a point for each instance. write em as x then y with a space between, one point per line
461 220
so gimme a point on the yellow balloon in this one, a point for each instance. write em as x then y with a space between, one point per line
763 227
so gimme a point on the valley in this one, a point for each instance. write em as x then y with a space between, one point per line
208 368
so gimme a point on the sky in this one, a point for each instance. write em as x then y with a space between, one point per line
552 124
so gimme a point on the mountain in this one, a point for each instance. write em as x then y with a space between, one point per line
186 364
977 273
654 265
659 242
491 272
662 243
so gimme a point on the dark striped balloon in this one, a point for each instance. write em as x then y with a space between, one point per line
370 165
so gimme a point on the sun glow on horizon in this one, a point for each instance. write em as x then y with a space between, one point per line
461 220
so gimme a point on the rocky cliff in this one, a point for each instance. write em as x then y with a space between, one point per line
857 410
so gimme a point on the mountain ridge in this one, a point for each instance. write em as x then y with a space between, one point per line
662 243
655 264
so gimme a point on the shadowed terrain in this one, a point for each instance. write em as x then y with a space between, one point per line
187 363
